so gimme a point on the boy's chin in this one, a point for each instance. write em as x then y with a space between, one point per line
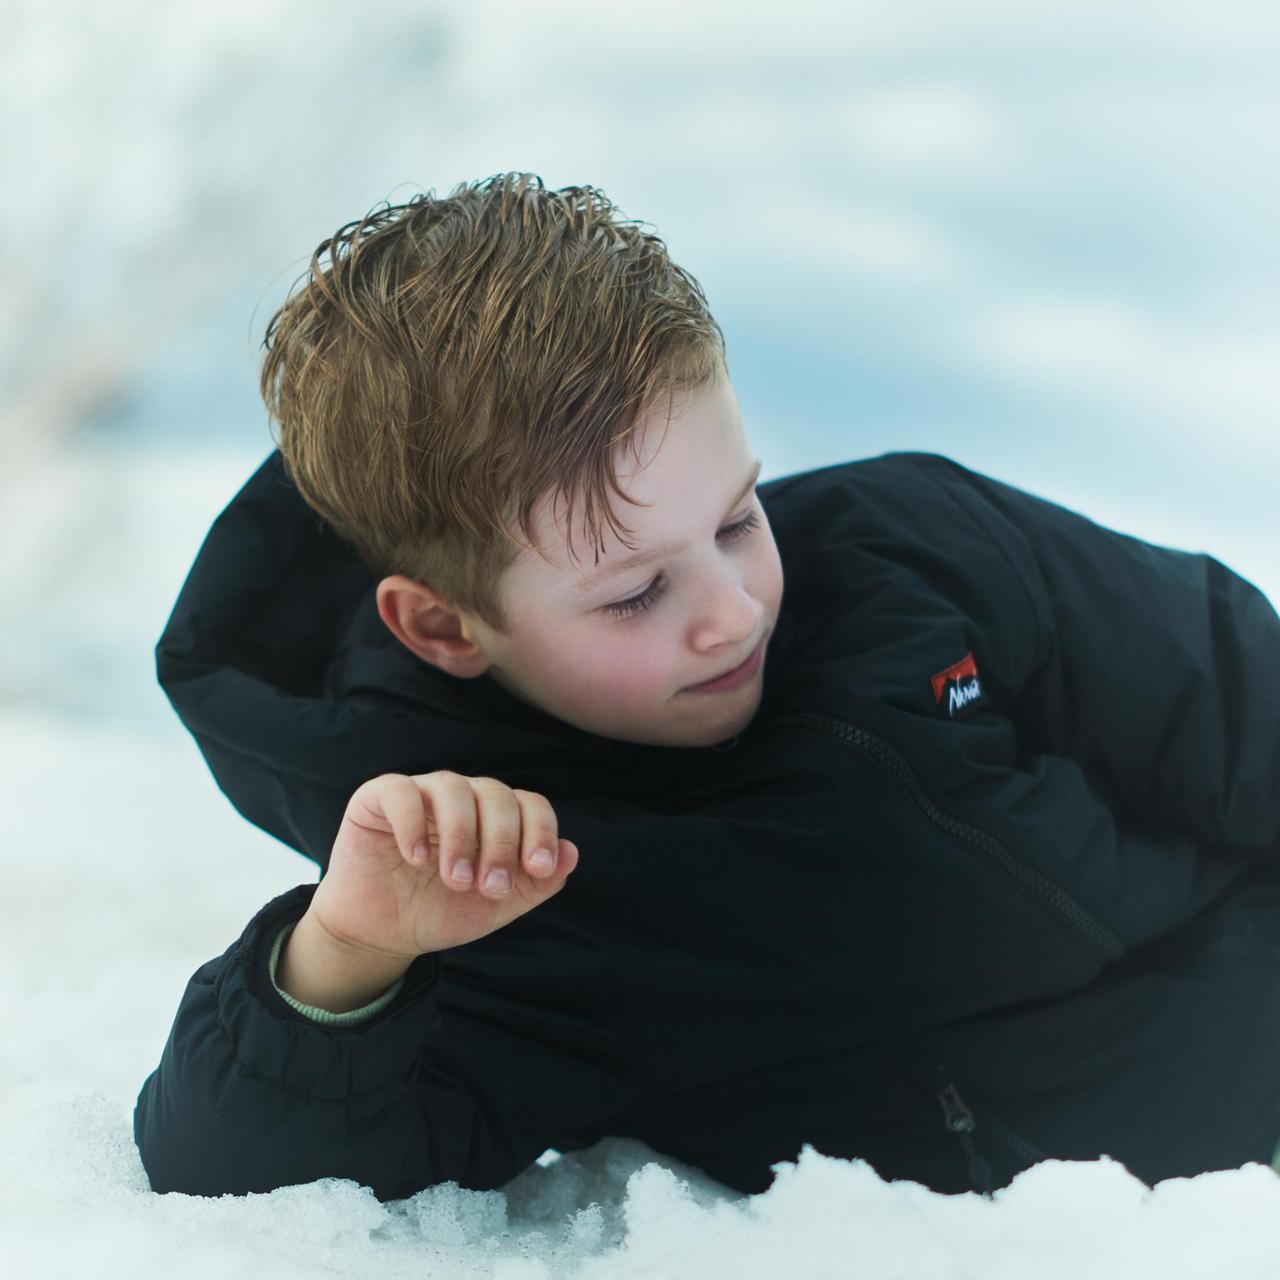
712 732
724 737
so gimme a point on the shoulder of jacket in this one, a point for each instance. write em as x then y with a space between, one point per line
900 485
933 506
974 494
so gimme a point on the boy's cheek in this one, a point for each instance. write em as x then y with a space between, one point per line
622 677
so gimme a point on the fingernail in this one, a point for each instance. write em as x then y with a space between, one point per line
497 881
462 871
541 859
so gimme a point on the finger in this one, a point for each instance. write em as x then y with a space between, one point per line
534 891
538 836
453 809
567 861
401 804
498 835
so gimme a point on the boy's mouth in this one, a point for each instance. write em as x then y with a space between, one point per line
734 677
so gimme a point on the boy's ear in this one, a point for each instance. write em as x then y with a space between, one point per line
427 626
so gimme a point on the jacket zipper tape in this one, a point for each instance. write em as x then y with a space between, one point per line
1032 882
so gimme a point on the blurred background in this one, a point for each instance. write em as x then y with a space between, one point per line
1039 238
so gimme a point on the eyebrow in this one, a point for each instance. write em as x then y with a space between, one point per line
657 553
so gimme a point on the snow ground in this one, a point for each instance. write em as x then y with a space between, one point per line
125 869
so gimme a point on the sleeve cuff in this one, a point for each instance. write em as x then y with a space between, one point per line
268 1036
327 1017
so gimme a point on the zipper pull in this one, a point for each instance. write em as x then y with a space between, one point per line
958 1117
960 1121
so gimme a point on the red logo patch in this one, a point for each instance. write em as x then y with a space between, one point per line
958 684
965 667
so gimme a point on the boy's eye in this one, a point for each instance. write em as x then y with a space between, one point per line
637 604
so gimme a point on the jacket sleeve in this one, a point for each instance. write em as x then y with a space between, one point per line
251 1095
1158 671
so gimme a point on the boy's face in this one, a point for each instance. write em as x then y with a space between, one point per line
704 603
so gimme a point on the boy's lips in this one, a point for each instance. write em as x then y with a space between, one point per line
734 676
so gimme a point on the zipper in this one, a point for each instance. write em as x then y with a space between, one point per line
1035 884
1027 1150
959 1120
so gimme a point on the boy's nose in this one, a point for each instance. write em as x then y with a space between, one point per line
730 619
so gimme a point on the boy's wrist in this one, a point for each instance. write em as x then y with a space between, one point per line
323 971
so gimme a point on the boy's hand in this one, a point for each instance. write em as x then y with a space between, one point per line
436 860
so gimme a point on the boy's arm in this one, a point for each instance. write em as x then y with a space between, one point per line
1158 670
251 1095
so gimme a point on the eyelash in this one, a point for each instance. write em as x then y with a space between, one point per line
637 604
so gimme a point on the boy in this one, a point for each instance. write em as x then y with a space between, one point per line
959 856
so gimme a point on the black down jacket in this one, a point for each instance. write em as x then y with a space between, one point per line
990 876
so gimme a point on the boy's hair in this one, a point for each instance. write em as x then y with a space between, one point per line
454 359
